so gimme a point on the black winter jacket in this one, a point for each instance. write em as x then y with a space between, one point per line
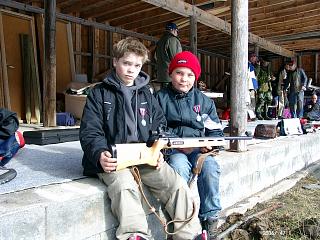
103 120
182 111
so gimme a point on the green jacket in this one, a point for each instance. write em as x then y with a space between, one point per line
264 78
168 46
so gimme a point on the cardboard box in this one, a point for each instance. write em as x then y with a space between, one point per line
74 104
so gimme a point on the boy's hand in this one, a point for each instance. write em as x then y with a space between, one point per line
160 161
205 149
108 163
186 150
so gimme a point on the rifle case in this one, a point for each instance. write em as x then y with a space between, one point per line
44 137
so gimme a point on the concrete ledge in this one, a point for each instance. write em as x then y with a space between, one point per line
75 210
265 163
81 209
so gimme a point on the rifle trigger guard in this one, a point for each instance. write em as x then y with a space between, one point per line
114 152
169 144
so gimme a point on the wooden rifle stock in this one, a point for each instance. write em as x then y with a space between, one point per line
130 154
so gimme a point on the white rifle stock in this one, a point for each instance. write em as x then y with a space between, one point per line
130 154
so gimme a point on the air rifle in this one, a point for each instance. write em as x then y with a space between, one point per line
130 154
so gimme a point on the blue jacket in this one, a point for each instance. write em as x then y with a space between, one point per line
189 115
252 76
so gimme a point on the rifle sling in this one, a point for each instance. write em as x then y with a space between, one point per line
136 174
199 164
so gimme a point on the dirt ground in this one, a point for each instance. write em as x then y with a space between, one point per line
293 215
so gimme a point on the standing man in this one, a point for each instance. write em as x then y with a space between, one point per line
281 91
190 113
252 81
167 47
264 75
297 80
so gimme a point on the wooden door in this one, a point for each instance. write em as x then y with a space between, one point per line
11 26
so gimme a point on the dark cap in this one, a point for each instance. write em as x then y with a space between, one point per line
252 54
290 62
171 26
265 59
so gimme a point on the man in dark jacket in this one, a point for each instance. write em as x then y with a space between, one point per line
190 113
167 47
122 110
296 83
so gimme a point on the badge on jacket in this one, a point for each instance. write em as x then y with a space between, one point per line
197 109
142 112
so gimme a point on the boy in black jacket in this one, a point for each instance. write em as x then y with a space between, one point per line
122 110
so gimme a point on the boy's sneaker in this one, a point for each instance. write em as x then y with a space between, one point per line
136 237
211 226
202 236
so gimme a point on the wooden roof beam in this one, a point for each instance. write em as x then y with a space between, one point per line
210 20
315 34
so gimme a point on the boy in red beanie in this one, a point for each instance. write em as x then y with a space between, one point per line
190 113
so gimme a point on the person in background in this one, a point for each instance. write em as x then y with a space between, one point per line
190 113
252 81
312 109
166 48
281 92
122 109
296 83
264 93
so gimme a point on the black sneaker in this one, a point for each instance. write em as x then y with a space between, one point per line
202 236
211 226
259 117
267 118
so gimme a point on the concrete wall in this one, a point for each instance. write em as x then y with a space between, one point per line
81 210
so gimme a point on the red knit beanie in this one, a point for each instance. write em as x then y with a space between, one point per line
186 59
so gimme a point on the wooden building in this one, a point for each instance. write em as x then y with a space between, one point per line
86 30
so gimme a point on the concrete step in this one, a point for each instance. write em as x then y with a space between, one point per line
81 210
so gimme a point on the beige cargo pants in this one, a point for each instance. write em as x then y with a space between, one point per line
166 185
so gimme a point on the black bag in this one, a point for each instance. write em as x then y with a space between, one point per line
9 123
265 131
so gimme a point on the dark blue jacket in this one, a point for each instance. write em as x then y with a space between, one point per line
182 111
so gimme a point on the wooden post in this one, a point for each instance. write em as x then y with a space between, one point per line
109 48
239 89
256 50
78 46
50 63
193 34
96 46
316 63
90 65
299 61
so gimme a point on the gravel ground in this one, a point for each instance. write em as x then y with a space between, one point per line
292 215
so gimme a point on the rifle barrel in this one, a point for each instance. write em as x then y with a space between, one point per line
238 138
198 141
